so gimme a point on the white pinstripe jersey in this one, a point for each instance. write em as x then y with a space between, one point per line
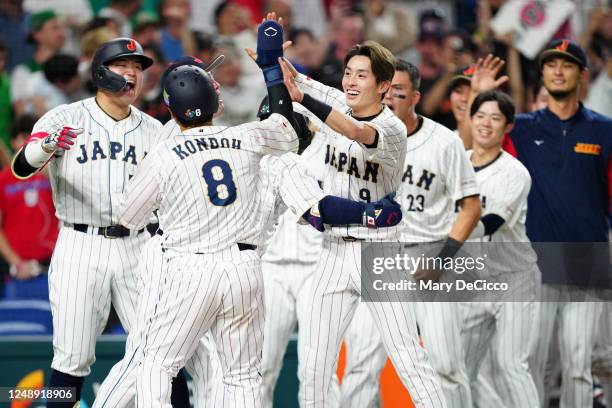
204 183
437 174
288 188
88 181
291 242
504 187
355 171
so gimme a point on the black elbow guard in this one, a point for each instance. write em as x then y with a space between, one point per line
21 167
492 222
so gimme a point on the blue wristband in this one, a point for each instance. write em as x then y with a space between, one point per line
273 75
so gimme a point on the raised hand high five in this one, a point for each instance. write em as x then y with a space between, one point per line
486 70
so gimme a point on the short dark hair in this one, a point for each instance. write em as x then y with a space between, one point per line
506 106
95 23
381 59
220 9
205 42
22 124
294 33
156 51
61 68
402 65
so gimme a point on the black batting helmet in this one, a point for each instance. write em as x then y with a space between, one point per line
301 123
104 78
264 108
190 94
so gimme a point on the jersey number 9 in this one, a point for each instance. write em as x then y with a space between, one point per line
221 187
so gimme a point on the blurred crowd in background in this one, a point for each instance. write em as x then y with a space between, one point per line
46 47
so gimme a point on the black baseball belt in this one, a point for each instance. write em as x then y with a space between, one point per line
112 231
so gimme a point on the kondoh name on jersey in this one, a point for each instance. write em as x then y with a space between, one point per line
199 144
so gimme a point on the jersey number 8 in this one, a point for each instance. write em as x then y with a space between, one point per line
221 187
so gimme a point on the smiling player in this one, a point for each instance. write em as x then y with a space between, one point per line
365 145
93 147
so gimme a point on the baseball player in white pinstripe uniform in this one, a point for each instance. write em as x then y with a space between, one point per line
289 259
365 152
436 176
204 365
118 389
507 322
288 263
93 147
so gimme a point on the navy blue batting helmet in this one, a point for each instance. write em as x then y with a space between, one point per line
190 94
110 51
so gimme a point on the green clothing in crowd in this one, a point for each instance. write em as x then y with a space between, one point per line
5 110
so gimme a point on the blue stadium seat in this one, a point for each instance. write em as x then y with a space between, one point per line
37 288
25 317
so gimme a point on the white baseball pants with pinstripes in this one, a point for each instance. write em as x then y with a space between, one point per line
484 394
578 324
286 288
440 324
335 291
119 387
602 355
365 359
221 293
86 274
509 330
505 331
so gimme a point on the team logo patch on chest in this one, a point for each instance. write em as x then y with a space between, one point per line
347 164
588 148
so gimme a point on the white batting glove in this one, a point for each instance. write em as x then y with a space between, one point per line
60 140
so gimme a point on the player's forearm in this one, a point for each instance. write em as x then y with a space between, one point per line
351 128
6 251
29 159
40 148
137 209
436 94
5 157
465 127
339 122
338 211
335 211
487 225
322 92
467 219
132 219
280 102
516 79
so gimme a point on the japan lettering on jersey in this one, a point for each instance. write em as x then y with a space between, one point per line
204 182
89 180
356 171
437 173
504 186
